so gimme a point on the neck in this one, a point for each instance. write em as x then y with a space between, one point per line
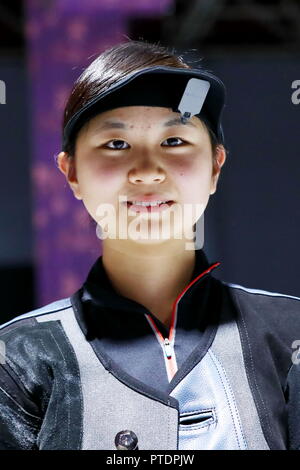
153 278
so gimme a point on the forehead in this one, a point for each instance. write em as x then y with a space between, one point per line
133 117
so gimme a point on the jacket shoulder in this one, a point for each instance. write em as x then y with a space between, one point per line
29 318
249 292
277 311
25 338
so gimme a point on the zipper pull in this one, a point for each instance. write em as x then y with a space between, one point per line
168 348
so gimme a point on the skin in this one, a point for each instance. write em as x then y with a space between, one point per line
152 270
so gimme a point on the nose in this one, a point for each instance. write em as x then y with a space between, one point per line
147 173
149 178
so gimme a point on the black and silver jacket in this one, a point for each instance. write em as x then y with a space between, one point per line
225 375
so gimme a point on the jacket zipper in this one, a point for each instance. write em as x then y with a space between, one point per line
168 348
167 344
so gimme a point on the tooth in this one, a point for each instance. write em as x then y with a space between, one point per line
150 203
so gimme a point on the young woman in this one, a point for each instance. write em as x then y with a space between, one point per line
152 352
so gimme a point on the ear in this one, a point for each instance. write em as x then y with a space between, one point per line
218 162
67 166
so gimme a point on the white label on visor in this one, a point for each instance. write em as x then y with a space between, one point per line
193 97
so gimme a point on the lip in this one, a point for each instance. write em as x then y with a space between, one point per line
150 198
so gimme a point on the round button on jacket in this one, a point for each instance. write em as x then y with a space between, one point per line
126 440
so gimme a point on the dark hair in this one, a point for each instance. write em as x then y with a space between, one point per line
111 66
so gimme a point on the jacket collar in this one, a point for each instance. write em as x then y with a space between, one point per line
98 289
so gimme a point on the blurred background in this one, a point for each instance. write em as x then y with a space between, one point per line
252 223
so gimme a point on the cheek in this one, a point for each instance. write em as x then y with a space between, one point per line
100 185
194 179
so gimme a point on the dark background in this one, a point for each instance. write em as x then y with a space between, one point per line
252 223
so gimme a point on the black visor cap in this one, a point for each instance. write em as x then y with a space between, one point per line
154 86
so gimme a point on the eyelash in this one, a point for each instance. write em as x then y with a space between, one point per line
120 140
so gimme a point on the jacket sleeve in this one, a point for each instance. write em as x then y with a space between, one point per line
292 394
19 426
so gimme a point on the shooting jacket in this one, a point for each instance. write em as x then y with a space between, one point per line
225 375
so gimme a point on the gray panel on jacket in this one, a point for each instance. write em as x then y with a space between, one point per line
228 349
109 406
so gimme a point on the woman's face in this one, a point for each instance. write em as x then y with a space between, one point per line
141 153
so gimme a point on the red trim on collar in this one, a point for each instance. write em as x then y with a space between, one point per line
172 326
193 282
171 364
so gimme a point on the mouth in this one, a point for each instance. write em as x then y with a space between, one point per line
149 206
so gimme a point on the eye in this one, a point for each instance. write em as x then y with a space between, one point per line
173 142
117 144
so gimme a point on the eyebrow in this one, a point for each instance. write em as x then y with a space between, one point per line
176 121
112 125
120 125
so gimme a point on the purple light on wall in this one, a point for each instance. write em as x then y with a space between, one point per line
125 6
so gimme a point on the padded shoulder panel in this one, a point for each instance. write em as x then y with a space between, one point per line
55 306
